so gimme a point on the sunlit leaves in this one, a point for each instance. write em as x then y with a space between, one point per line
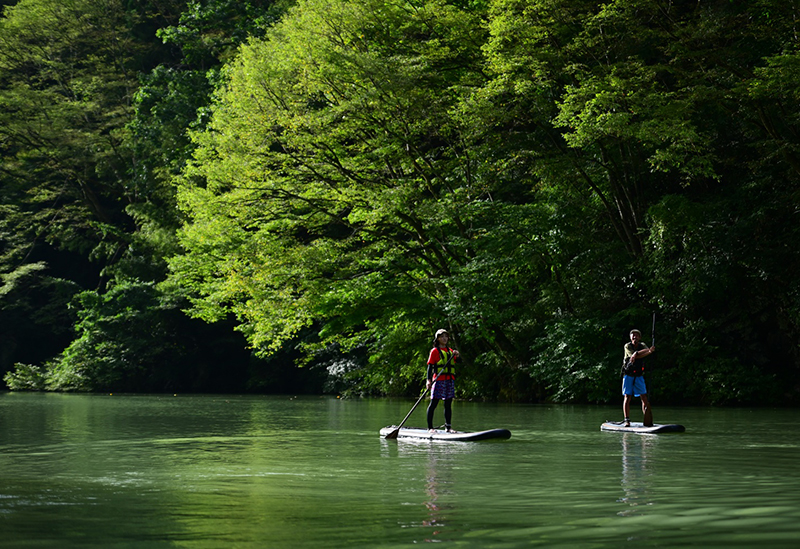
333 172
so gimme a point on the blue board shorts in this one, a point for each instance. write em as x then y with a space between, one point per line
444 388
633 386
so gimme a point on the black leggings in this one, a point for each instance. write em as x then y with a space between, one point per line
448 411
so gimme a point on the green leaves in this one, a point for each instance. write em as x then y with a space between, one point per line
66 74
335 187
373 168
361 173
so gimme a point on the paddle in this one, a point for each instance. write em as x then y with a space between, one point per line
648 413
653 342
393 434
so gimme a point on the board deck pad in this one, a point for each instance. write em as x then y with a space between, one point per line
456 436
638 427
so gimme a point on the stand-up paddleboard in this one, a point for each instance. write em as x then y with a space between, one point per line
455 436
638 427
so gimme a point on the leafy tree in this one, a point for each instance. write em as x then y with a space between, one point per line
397 166
67 71
98 182
537 176
334 186
651 115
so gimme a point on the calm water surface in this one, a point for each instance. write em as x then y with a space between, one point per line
210 471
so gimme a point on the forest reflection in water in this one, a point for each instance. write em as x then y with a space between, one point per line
207 472
636 471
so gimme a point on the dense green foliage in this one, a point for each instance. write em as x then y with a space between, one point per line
95 110
339 178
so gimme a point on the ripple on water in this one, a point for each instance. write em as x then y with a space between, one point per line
258 472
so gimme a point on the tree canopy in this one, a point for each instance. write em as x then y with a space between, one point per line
340 178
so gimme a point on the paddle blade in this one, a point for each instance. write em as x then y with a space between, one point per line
648 418
393 434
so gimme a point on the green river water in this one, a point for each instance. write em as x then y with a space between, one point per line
218 472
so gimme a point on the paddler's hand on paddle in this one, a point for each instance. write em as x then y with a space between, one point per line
428 384
636 354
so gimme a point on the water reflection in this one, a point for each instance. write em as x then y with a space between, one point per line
209 472
637 472
438 483
438 486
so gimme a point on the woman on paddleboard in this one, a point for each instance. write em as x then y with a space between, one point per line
633 377
441 378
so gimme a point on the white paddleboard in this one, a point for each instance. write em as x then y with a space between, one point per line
456 436
638 427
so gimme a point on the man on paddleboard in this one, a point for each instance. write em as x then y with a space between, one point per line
633 377
441 377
